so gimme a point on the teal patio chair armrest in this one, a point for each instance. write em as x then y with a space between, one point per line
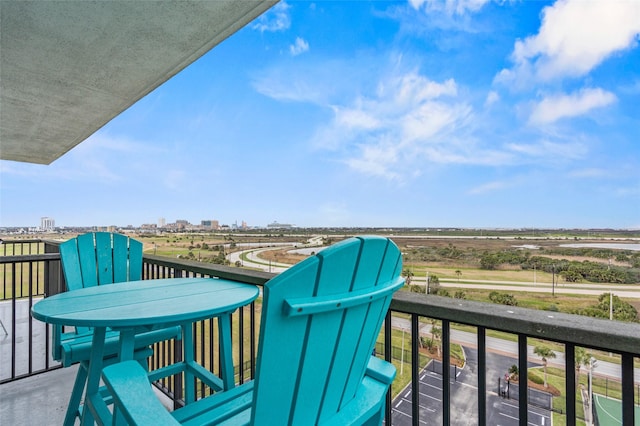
381 370
76 348
60 339
133 397
319 304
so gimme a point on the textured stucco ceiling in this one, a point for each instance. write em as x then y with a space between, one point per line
69 67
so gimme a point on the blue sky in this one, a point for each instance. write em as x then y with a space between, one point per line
419 113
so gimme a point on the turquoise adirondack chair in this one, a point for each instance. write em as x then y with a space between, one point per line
319 325
99 258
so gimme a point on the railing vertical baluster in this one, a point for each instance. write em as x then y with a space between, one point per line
570 373
415 362
482 376
252 314
446 372
194 342
241 343
177 383
4 275
231 322
30 320
212 351
387 357
201 358
13 321
627 390
523 394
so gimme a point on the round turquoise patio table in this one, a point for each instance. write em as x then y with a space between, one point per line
137 306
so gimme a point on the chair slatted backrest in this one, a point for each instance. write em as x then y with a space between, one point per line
98 258
319 326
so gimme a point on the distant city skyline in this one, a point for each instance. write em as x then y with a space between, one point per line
417 113
48 224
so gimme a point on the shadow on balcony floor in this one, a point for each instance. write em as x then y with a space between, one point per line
37 400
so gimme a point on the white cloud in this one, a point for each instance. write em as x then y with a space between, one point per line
312 80
575 37
376 160
300 46
401 124
451 7
413 87
430 118
550 150
275 19
355 118
554 108
492 98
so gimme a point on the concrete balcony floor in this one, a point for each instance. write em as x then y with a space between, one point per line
38 400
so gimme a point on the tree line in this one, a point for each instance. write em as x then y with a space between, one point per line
569 270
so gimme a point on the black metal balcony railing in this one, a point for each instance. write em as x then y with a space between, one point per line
31 270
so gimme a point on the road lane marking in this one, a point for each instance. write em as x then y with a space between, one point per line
431 397
506 415
408 415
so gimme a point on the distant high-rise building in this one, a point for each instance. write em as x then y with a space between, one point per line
209 224
162 222
182 224
47 223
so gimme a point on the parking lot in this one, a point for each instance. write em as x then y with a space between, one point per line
501 410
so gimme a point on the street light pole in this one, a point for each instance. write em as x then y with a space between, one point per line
590 385
402 353
611 305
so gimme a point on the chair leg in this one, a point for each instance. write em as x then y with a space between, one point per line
73 409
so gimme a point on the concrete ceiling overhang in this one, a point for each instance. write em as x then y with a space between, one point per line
68 67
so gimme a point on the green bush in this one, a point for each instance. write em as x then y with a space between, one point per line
503 298
427 343
535 378
417 288
460 294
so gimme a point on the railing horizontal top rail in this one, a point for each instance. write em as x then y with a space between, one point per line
29 258
227 272
616 336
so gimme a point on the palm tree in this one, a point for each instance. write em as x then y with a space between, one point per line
407 273
458 273
581 359
436 332
544 353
